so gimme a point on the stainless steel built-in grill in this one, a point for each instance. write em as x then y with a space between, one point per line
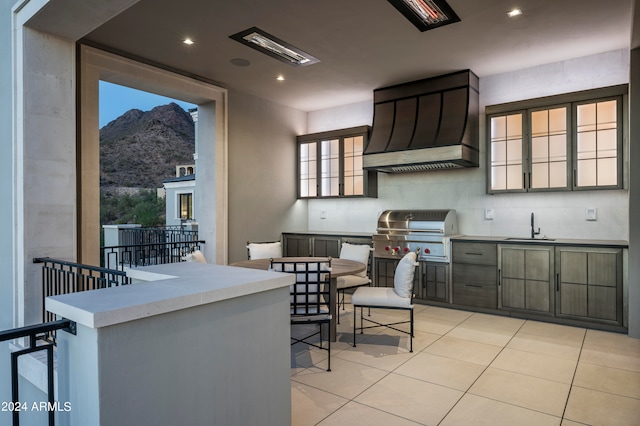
402 231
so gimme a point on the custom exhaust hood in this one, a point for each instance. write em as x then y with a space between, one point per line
430 124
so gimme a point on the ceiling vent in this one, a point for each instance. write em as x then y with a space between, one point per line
430 124
270 45
426 14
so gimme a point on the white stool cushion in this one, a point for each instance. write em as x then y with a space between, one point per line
381 297
357 252
403 278
265 250
348 281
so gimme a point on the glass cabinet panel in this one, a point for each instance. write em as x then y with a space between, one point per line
549 148
353 173
308 170
329 169
506 152
597 148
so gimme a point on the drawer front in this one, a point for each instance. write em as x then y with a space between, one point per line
475 253
475 295
475 274
475 285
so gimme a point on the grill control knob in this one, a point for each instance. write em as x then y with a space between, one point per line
397 249
387 248
427 251
406 249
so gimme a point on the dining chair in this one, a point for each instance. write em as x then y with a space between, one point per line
309 298
264 250
400 296
360 253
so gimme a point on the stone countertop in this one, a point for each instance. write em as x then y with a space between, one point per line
164 288
543 241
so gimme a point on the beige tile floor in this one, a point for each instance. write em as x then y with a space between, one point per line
468 369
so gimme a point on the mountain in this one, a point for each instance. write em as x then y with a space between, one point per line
140 149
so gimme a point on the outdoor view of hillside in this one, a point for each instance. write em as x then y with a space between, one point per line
138 151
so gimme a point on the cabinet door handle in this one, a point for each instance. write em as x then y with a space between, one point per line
473 285
557 282
473 254
499 277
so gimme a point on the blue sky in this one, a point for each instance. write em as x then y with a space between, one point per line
115 100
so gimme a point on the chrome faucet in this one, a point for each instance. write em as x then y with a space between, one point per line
533 230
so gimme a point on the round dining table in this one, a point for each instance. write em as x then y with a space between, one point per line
339 268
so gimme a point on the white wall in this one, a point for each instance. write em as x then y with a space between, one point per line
262 170
559 215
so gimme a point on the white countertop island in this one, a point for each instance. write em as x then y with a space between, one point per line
186 343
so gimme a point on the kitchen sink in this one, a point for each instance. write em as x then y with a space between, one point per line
529 239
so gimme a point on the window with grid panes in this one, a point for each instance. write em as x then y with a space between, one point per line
185 206
573 142
330 165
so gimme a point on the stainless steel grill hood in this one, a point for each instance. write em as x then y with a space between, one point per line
429 124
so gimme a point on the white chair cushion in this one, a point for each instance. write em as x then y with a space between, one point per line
348 281
403 278
381 297
357 252
265 250
196 256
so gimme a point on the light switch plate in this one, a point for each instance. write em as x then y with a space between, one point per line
592 213
323 214
488 214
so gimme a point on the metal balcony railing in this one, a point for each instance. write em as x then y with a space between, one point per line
62 277
165 234
134 255
37 341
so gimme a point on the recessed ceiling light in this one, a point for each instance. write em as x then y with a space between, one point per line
274 47
188 41
514 12
280 78
426 14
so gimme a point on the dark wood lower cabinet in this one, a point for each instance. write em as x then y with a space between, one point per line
581 285
589 284
322 245
526 278
475 286
431 280
474 275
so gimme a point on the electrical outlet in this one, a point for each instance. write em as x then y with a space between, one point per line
323 214
488 214
592 213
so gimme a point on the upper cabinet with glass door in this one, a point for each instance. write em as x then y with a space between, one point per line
330 165
564 142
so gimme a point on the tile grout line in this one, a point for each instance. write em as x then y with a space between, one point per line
566 404
483 371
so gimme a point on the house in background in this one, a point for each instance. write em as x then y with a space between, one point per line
179 192
179 196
